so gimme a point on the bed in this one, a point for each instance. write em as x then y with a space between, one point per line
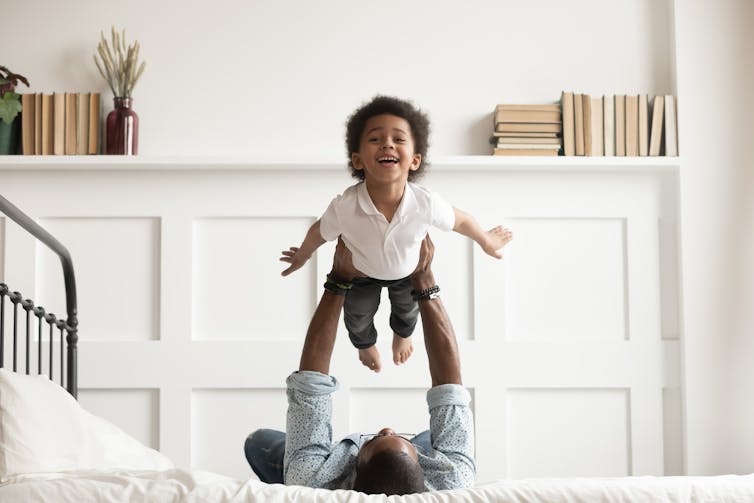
51 449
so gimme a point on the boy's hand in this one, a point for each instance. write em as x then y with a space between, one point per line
496 238
295 257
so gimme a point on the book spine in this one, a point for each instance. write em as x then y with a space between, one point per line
58 100
586 101
643 125
578 123
569 139
608 123
70 123
671 137
620 125
597 132
27 124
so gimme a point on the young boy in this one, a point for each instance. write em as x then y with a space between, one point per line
382 219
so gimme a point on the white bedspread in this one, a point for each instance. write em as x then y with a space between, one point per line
195 486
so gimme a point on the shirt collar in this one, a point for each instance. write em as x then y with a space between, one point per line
366 204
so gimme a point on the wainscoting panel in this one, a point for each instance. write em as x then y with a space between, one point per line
117 265
572 432
569 344
138 411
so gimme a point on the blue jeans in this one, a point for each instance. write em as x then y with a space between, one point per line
264 450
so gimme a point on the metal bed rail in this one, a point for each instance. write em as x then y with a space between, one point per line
68 327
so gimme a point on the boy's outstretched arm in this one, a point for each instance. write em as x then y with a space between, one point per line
297 256
491 241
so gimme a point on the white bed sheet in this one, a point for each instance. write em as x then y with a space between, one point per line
194 486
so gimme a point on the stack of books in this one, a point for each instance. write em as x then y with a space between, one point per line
60 124
619 125
527 129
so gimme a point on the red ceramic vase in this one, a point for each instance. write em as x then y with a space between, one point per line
122 129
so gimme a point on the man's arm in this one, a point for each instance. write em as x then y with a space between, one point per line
439 337
308 421
451 422
320 337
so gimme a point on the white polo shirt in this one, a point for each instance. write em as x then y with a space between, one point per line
381 249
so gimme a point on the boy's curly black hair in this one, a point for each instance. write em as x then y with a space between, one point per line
379 105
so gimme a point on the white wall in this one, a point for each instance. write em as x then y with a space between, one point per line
252 78
279 77
715 78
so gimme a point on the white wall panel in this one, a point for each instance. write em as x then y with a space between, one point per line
567 280
238 292
117 274
221 419
568 433
135 411
574 304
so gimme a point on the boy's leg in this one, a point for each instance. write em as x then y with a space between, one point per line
404 312
264 450
359 308
360 305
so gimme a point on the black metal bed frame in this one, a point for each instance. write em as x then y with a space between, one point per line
67 327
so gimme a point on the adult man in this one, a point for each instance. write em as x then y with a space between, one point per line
387 463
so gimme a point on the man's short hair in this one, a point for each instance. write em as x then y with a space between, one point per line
389 472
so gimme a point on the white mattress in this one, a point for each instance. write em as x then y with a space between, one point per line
194 486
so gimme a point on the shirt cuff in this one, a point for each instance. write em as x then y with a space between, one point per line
448 394
312 382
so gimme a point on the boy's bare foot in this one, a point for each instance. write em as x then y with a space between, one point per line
370 357
402 349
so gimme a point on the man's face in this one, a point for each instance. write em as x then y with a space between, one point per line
386 440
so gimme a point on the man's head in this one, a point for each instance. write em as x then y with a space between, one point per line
388 464
417 120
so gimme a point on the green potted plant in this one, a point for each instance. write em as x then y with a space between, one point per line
10 106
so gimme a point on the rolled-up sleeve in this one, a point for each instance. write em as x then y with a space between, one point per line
308 430
452 428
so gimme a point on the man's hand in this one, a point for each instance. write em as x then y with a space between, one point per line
422 276
342 263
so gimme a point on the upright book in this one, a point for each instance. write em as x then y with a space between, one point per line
655 135
82 123
48 125
632 125
38 124
94 123
643 125
58 105
671 134
28 128
569 138
578 123
586 102
597 127
620 125
71 109
608 124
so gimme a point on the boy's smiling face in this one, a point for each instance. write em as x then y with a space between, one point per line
386 151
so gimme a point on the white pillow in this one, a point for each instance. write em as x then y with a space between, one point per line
43 429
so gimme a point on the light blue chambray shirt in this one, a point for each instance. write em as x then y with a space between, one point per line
311 459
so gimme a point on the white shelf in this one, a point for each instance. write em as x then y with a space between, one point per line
250 163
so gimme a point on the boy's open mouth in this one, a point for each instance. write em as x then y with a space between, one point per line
388 160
